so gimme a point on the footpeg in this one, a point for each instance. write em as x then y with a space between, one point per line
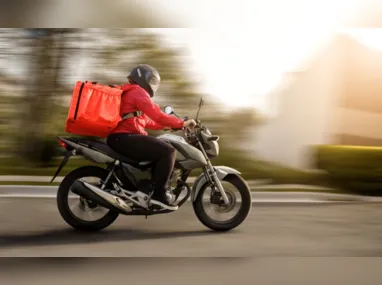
143 199
170 197
164 206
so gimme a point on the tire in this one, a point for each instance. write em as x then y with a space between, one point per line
238 219
63 206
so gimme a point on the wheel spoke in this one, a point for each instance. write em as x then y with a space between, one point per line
221 213
89 215
71 205
86 210
78 210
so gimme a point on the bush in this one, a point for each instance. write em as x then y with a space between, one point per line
19 166
355 169
39 151
258 169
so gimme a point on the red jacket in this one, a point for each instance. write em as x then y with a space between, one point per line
135 98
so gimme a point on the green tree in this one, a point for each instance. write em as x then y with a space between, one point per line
112 52
133 46
43 80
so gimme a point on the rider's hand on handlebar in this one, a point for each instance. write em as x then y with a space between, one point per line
189 124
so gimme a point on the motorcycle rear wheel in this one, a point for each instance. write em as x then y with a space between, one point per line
63 204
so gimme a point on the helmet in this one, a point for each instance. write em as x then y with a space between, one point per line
146 77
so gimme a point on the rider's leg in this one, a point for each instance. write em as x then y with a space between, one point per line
141 148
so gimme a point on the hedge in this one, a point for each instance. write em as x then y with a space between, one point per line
17 166
250 168
355 169
253 169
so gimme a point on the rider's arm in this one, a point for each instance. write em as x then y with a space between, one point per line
150 124
144 103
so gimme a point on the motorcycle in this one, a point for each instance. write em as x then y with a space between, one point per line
114 189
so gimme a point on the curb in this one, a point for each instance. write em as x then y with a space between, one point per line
15 178
25 191
32 178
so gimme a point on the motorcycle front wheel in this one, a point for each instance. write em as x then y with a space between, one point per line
207 197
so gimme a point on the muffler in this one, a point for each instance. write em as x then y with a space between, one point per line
100 197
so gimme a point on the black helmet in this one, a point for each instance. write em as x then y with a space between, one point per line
145 76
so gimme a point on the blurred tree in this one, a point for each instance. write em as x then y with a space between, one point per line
121 49
238 123
47 55
131 47
110 53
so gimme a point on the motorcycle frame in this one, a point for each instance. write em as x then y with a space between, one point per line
210 173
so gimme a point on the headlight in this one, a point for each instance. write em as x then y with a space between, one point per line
207 131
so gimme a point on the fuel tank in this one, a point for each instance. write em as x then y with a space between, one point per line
187 156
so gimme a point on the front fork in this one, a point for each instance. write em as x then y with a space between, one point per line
211 175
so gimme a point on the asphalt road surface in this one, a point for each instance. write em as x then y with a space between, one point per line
330 235
33 227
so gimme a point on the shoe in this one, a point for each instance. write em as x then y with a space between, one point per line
160 199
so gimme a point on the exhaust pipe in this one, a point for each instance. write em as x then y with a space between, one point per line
100 197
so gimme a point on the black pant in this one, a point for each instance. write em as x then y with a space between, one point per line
146 148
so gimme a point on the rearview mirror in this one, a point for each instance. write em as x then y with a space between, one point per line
168 110
201 103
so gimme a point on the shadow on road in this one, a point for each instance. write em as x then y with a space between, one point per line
69 236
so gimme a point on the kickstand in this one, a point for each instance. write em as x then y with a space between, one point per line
146 217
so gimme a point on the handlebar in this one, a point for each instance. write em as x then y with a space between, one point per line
181 129
184 128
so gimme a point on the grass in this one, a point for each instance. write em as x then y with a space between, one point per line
12 183
14 166
279 190
265 190
279 174
250 169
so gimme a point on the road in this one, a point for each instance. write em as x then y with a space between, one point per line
33 227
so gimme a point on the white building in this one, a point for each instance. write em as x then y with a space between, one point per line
336 100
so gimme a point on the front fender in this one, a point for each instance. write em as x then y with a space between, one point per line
221 171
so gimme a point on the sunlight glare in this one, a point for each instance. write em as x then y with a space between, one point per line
238 65
371 38
243 53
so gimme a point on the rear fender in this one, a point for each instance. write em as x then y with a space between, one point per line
221 171
68 154
88 153
75 148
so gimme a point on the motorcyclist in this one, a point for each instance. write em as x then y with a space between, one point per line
130 138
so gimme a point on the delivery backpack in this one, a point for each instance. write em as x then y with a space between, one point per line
94 109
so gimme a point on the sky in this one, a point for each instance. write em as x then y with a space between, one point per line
241 49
